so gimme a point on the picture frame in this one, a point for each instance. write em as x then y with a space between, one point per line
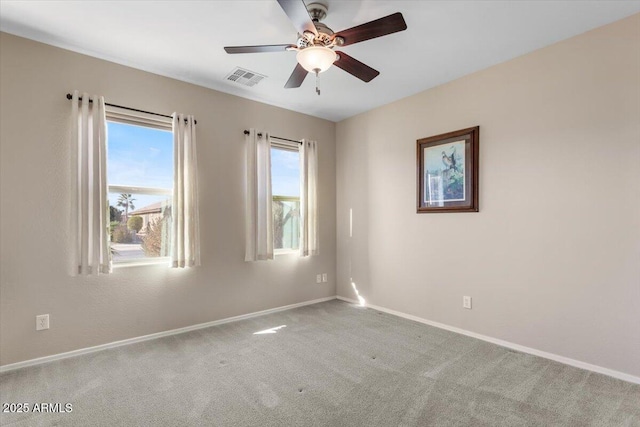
447 172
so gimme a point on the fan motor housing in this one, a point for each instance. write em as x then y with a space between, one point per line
323 29
317 12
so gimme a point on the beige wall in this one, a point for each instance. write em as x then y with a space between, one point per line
552 260
34 151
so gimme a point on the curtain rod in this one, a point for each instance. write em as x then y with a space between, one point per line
246 132
69 96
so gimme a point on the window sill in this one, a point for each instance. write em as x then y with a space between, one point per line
164 261
285 252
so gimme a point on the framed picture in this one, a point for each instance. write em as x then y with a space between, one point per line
447 172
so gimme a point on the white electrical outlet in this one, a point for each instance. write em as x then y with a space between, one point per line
466 302
324 277
318 278
42 322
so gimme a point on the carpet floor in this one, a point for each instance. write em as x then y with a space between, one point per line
328 364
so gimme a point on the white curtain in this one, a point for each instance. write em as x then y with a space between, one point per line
258 210
90 208
308 198
185 225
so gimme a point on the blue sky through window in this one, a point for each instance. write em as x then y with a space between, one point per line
142 156
139 156
285 173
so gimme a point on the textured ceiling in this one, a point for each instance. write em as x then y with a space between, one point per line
184 40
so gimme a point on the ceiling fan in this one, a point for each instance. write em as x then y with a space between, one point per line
316 42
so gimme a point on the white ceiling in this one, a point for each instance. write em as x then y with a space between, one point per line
185 39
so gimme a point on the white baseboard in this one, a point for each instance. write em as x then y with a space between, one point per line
507 344
567 361
46 359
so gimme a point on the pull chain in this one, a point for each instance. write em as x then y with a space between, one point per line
317 81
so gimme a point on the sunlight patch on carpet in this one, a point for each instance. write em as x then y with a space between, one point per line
270 330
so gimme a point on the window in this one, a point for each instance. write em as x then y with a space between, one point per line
285 190
140 182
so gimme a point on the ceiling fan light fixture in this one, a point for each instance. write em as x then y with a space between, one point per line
316 58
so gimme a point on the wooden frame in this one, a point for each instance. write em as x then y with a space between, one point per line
447 172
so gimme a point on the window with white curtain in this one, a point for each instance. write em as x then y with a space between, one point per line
140 175
285 190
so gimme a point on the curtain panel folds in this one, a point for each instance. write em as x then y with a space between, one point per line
185 223
258 200
90 246
309 244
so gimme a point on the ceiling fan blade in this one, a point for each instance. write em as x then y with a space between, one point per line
297 77
298 14
378 28
257 49
355 67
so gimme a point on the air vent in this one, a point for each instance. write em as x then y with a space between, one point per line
245 77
